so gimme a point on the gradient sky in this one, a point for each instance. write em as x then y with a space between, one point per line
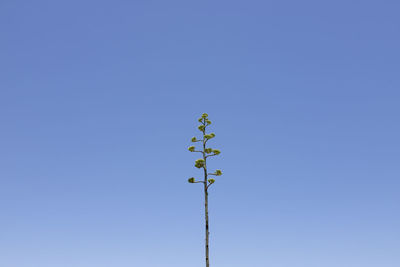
99 101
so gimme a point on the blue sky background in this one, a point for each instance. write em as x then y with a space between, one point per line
99 101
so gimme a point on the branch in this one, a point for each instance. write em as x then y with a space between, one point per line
216 173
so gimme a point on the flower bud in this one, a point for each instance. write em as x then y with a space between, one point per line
204 115
212 135
211 181
194 139
216 151
208 122
191 180
207 136
218 172
201 120
191 148
199 163
201 127
208 150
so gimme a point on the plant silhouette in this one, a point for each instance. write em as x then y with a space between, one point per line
201 163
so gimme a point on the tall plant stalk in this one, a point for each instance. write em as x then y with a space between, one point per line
202 163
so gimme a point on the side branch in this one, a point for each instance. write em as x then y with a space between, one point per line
209 184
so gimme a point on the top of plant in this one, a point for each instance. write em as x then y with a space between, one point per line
205 151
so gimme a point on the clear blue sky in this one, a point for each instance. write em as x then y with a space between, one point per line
99 101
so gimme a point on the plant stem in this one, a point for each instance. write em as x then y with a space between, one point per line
207 232
206 202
